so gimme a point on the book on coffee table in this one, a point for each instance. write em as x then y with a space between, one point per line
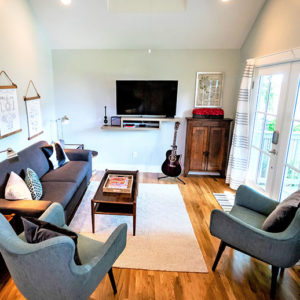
116 183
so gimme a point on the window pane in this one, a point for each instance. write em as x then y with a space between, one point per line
268 134
263 171
275 89
254 158
262 100
290 183
294 147
258 129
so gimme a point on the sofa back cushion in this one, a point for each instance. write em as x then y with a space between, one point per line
31 157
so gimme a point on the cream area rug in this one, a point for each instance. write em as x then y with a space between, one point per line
164 239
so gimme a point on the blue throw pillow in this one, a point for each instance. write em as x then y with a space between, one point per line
33 182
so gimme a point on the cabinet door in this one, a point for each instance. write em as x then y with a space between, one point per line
198 157
216 149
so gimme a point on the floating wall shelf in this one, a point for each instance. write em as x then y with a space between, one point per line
138 124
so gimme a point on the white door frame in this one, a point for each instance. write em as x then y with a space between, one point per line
264 71
287 126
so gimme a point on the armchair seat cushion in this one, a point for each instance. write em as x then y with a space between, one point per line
61 192
248 216
73 171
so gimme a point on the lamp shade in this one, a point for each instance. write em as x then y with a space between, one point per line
10 153
65 120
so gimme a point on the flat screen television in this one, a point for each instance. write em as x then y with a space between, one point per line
147 98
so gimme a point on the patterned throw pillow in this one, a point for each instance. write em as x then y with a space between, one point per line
33 182
61 154
56 155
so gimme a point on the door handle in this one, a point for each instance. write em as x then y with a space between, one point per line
273 151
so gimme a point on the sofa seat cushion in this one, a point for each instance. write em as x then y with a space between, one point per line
61 192
248 216
73 171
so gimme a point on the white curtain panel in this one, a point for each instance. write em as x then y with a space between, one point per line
239 152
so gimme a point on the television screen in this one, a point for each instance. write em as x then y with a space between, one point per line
147 97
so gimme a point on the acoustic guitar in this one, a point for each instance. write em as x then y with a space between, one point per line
172 165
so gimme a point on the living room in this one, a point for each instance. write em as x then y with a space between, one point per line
68 60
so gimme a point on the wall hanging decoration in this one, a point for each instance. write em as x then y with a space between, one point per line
9 112
33 109
209 87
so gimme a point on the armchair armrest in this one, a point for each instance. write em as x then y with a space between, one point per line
54 214
249 198
267 246
29 208
77 154
110 251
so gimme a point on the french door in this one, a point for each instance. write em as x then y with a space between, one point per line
274 166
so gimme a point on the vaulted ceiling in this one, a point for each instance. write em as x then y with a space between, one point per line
107 24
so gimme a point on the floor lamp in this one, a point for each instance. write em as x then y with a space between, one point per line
59 125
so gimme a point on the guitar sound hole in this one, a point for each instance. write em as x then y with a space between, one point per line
172 158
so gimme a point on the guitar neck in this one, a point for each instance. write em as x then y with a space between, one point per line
174 147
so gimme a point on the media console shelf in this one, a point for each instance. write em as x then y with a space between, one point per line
129 123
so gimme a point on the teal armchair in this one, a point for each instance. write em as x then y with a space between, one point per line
240 229
47 270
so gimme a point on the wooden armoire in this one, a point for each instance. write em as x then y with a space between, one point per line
206 145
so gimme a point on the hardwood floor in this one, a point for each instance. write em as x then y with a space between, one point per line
237 276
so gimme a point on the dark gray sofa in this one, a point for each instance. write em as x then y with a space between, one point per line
65 185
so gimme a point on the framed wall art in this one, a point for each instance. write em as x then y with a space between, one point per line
34 116
209 89
9 112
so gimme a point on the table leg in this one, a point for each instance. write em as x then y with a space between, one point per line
134 218
93 217
134 223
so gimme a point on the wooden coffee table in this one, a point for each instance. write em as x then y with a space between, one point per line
115 203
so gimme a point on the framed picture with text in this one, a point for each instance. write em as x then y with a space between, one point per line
209 89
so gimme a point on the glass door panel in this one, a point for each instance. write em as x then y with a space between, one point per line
270 89
291 176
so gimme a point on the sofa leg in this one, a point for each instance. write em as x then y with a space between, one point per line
112 280
275 271
219 254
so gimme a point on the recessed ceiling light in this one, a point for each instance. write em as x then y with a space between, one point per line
225 0
66 2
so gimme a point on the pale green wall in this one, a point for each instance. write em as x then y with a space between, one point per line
84 81
277 28
24 55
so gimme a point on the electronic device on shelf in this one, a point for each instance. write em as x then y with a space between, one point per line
147 97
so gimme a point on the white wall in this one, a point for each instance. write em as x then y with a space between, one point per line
277 28
24 55
84 82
